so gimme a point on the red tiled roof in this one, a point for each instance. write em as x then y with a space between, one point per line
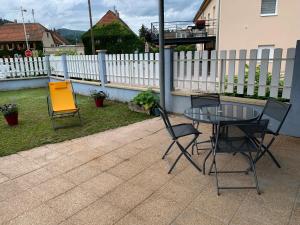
110 17
12 32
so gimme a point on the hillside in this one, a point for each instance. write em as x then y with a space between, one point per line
72 36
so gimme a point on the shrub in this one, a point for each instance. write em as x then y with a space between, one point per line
148 99
8 109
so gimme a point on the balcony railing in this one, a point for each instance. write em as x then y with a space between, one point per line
185 29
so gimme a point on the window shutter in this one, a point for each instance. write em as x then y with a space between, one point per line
268 6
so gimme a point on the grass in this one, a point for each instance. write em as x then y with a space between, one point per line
35 127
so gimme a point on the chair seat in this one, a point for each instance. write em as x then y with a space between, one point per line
182 130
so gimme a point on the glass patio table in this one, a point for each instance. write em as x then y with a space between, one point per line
223 112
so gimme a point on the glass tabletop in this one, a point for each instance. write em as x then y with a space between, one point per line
223 112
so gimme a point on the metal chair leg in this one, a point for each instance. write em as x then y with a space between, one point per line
254 173
174 164
205 159
169 148
216 174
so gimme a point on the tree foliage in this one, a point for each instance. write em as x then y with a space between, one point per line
114 37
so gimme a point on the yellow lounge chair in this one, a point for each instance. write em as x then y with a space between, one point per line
62 101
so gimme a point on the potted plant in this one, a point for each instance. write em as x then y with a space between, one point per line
10 112
99 97
145 102
200 24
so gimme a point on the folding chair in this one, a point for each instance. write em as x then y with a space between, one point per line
276 112
197 101
237 137
62 101
176 132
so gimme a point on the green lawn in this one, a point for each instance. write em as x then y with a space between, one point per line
35 127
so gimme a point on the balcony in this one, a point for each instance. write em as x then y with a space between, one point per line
186 32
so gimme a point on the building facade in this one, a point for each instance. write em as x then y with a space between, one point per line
261 24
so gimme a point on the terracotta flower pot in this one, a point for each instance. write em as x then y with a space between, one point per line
12 119
99 102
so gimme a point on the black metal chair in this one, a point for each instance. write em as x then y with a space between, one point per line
276 112
176 132
238 137
201 100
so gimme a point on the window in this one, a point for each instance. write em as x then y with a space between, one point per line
261 47
268 7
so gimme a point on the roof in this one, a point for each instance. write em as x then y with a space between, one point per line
110 17
201 9
58 39
12 32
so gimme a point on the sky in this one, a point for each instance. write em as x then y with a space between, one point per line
73 14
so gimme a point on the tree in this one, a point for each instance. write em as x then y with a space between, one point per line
145 33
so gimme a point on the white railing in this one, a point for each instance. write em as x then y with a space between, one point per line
82 67
22 67
133 69
244 74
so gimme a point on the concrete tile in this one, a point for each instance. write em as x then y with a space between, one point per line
72 201
52 188
101 184
86 155
132 220
194 217
3 178
127 151
64 164
17 205
99 213
107 161
221 207
158 210
126 169
127 196
82 173
151 179
43 215
11 188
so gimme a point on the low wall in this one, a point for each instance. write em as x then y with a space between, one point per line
23 83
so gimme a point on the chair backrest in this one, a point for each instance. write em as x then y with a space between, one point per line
276 112
237 132
62 96
165 117
210 99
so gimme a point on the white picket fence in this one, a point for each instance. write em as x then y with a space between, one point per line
22 67
133 69
229 73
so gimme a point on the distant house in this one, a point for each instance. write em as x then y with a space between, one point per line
256 24
13 41
112 34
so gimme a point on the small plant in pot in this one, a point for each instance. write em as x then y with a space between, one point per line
145 102
99 97
10 112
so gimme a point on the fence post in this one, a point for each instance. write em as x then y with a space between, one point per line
65 66
292 123
48 67
168 78
102 67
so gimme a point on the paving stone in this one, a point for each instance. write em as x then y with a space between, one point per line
72 201
43 215
107 161
127 196
101 184
98 213
194 217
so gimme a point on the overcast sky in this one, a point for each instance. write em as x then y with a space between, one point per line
73 14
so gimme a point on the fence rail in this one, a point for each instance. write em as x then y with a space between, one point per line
133 69
22 67
235 72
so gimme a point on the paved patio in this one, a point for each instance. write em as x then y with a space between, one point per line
118 177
